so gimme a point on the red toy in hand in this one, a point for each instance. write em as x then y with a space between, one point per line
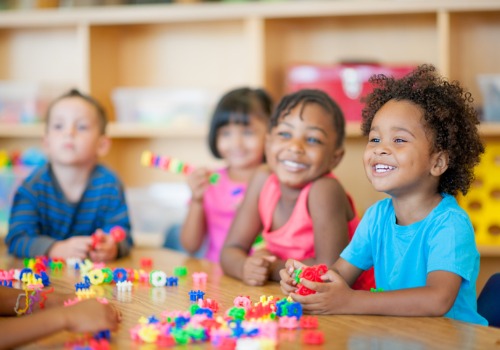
311 273
117 233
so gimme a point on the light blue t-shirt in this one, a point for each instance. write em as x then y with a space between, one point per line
403 255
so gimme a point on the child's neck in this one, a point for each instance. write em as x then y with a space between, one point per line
73 180
411 210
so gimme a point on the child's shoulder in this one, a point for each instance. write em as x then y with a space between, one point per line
327 184
39 174
103 174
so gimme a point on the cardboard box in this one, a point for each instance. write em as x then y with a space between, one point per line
345 83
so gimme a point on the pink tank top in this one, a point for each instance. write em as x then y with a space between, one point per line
295 239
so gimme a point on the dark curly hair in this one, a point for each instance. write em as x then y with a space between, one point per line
319 97
449 115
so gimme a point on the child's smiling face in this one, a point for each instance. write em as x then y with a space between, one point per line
242 146
302 147
399 159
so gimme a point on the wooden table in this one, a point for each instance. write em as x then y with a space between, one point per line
341 332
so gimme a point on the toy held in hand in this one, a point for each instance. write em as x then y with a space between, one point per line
117 233
311 273
171 164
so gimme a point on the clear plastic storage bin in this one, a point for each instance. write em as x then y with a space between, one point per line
184 107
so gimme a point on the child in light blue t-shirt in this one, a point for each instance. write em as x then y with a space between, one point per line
422 147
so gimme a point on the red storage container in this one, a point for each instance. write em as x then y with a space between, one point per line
345 83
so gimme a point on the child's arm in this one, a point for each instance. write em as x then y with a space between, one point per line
336 297
24 238
86 316
245 227
8 298
330 212
194 227
116 214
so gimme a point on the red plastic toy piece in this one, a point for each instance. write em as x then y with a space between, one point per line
313 337
308 322
117 233
311 273
146 263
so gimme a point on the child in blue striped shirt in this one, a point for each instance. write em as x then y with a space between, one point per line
62 203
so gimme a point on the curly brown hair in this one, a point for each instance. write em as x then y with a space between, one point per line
449 116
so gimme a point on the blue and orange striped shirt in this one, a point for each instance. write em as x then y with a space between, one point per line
41 214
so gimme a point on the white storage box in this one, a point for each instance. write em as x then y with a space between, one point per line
178 107
154 209
25 102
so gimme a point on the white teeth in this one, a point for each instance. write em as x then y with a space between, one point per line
382 168
294 165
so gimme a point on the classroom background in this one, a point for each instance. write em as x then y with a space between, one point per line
159 68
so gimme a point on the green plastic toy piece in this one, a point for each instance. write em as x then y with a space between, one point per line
180 271
214 178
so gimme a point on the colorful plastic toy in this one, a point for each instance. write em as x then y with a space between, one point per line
311 273
313 337
116 232
170 164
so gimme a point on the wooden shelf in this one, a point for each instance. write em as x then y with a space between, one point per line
21 130
488 251
115 130
173 13
137 130
489 129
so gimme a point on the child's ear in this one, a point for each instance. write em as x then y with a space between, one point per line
103 146
337 156
440 163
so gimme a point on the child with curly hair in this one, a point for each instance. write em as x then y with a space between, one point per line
423 144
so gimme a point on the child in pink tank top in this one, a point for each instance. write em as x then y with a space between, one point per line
301 209
237 135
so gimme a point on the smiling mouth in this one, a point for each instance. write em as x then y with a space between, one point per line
383 168
293 165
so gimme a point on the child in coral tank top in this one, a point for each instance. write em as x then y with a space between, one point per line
301 209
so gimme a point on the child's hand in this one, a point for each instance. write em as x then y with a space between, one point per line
198 182
330 298
106 248
73 247
256 269
91 316
287 282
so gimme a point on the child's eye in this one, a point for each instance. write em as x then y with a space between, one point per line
374 140
284 134
314 140
83 127
398 140
57 126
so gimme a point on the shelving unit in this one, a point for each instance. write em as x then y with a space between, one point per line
217 46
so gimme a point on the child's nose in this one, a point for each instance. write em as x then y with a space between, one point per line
70 130
381 149
296 146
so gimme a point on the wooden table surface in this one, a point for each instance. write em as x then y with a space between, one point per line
341 332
